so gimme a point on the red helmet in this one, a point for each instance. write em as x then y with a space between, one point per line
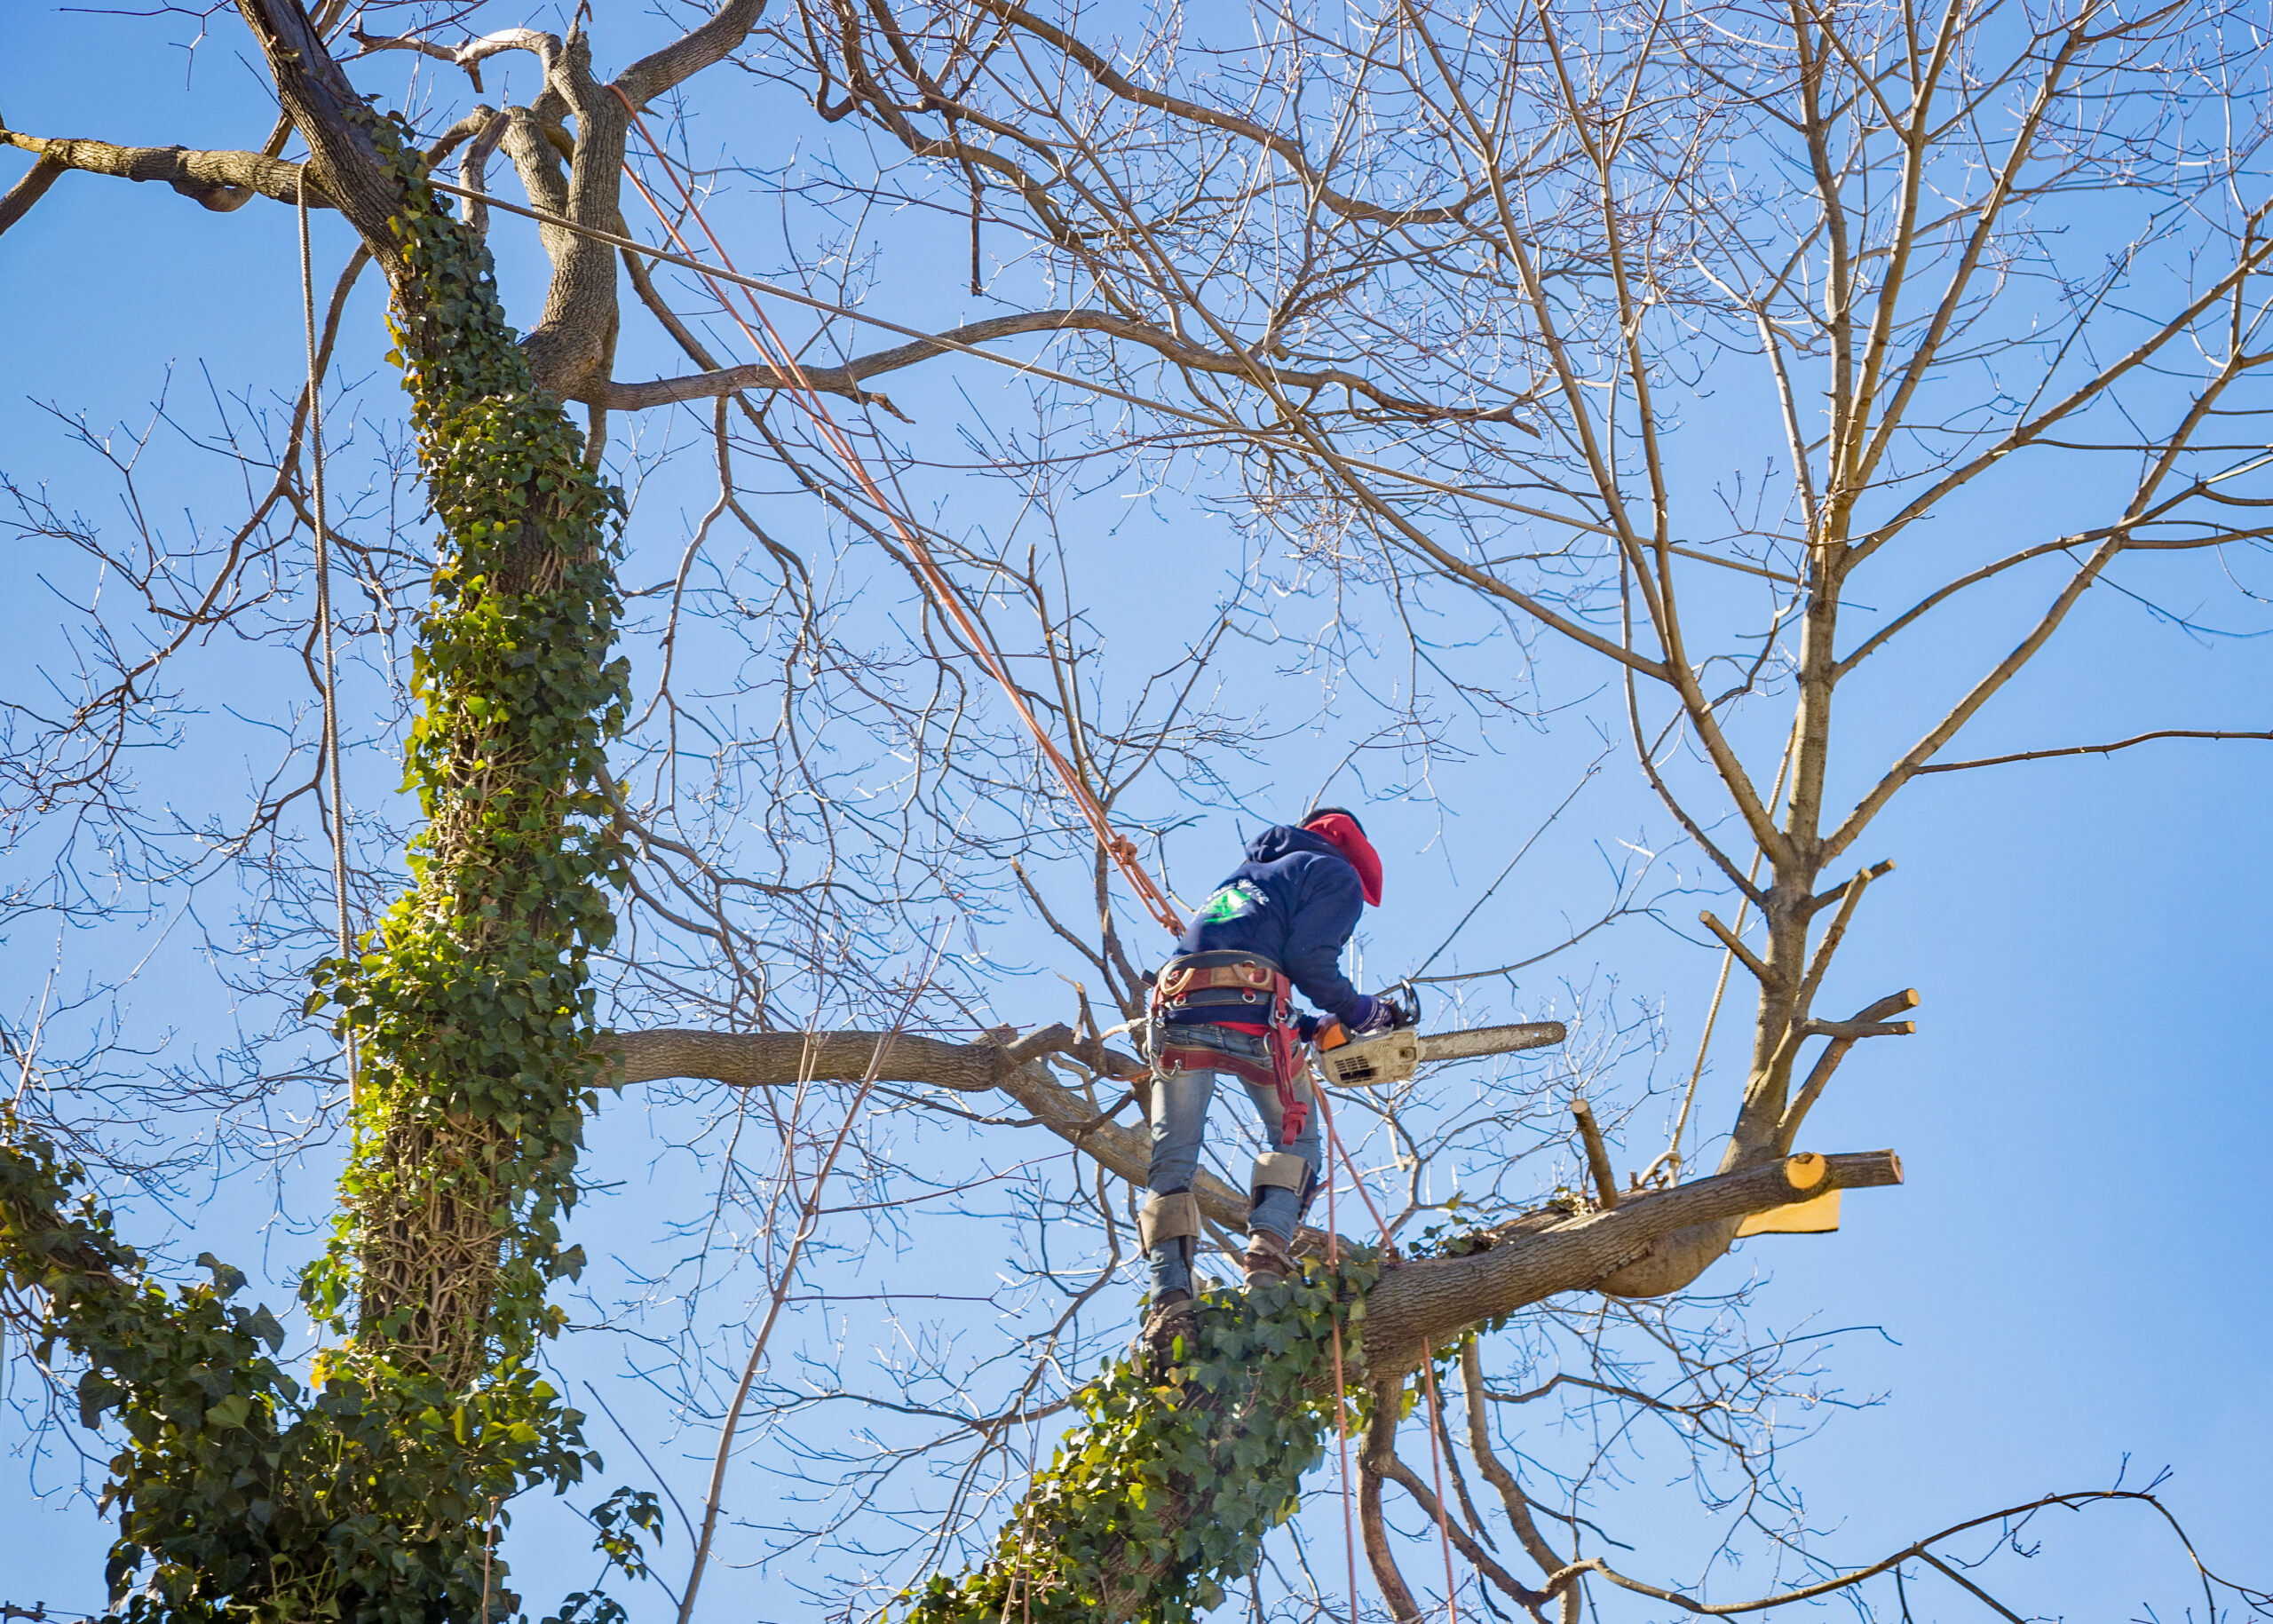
1347 837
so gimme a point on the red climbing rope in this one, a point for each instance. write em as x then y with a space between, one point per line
778 355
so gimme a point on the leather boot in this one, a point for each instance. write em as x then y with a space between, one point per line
1267 1260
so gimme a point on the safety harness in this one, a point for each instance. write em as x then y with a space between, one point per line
1229 985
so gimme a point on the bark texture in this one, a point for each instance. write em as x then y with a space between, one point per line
222 181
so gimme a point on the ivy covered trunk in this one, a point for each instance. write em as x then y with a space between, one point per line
370 1496
472 1006
1191 1449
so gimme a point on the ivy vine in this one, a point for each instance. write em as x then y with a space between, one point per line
1186 1458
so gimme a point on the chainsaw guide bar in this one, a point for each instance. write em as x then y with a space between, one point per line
1383 1058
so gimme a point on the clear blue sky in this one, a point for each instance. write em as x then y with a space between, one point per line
2074 1273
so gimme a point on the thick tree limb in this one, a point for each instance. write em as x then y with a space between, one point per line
1416 1303
333 121
779 1059
222 181
699 48
29 190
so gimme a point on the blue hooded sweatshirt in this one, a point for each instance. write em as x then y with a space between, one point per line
1294 900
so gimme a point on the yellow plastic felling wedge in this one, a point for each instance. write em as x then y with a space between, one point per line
1818 1217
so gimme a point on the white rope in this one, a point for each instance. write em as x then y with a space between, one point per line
338 819
1671 1160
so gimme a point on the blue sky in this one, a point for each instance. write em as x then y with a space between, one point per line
2071 1276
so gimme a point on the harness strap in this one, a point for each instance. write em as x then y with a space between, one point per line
1249 975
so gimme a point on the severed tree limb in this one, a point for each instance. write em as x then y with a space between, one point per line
1417 1304
1598 1154
1742 954
1845 1034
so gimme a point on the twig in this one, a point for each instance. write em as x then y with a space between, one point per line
2086 749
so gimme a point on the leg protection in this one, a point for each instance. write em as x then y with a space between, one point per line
1281 1170
1167 1225
1277 1191
1165 1217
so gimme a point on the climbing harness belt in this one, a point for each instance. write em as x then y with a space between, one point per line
345 934
778 355
1231 981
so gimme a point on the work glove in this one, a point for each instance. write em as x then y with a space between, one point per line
1306 1027
1373 1015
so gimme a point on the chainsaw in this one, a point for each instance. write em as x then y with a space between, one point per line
1373 1059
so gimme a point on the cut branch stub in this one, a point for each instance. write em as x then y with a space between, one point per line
1735 945
1597 1155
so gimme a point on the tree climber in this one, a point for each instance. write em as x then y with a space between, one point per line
1222 1005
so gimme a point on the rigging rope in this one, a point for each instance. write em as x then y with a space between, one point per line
338 818
778 355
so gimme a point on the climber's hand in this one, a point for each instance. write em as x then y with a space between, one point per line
1373 1015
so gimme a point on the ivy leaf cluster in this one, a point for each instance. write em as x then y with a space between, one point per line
1185 1459
242 1492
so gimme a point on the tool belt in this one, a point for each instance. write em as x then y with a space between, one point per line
1230 986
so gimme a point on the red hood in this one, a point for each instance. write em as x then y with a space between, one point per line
1347 838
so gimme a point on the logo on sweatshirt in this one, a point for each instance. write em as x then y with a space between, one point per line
1236 900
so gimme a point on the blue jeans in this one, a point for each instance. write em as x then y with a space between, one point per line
1180 1102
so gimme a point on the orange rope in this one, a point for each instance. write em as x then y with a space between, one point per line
777 354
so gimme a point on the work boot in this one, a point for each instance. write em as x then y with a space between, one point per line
1268 1261
1173 1315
